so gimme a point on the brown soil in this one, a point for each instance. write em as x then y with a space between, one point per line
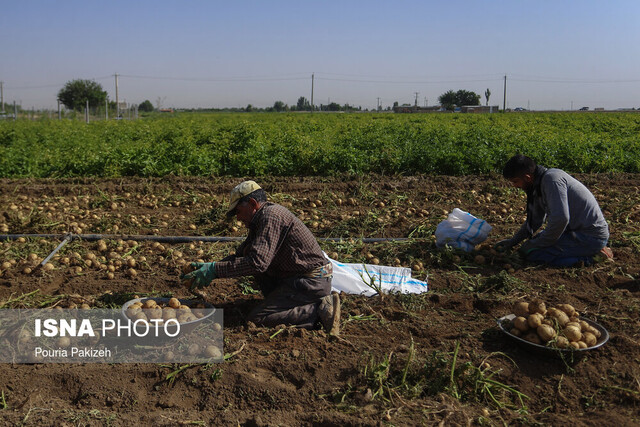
299 377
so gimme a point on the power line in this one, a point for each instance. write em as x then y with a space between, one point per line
217 79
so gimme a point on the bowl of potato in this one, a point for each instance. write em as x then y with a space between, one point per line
158 311
556 330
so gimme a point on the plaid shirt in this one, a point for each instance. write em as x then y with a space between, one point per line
278 245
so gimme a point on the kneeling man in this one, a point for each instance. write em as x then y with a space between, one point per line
575 227
286 260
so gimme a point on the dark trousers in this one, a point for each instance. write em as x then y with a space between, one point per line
290 301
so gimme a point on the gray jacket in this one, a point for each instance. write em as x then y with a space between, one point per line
565 204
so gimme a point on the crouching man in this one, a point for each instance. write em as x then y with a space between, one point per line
575 227
286 261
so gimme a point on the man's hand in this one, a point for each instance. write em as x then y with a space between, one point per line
503 245
526 249
202 276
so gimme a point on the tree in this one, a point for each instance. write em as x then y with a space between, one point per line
279 106
146 106
465 97
334 106
448 100
487 94
451 99
75 94
303 104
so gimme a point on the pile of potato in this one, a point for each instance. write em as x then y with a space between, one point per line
172 309
558 327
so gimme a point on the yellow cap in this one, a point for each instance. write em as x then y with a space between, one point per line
239 191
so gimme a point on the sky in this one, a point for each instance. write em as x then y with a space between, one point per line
558 54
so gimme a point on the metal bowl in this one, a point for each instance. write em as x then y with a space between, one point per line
186 326
506 321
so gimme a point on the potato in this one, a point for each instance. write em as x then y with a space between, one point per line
193 349
572 333
534 320
63 342
532 337
546 332
584 326
589 339
132 311
149 303
521 309
568 309
141 316
537 306
582 344
168 313
562 342
521 324
154 313
576 324
516 332
595 332
174 303
574 345
212 351
559 315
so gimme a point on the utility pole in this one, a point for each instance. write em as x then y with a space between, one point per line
117 99
86 112
106 109
1 97
378 105
59 114
416 101
312 77
504 100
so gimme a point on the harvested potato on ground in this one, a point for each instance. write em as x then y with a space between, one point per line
562 342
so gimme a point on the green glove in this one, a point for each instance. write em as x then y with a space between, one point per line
201 277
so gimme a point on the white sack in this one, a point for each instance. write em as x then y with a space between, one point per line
352 279
462 230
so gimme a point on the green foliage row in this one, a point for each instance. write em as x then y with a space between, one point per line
253 144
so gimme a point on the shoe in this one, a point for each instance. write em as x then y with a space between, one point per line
329 313
607 253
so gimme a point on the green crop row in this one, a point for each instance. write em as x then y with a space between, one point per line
255 144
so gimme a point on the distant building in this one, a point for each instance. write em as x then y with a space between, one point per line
437 108
415 109
479 109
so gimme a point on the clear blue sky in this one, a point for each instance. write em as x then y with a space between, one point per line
234 53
